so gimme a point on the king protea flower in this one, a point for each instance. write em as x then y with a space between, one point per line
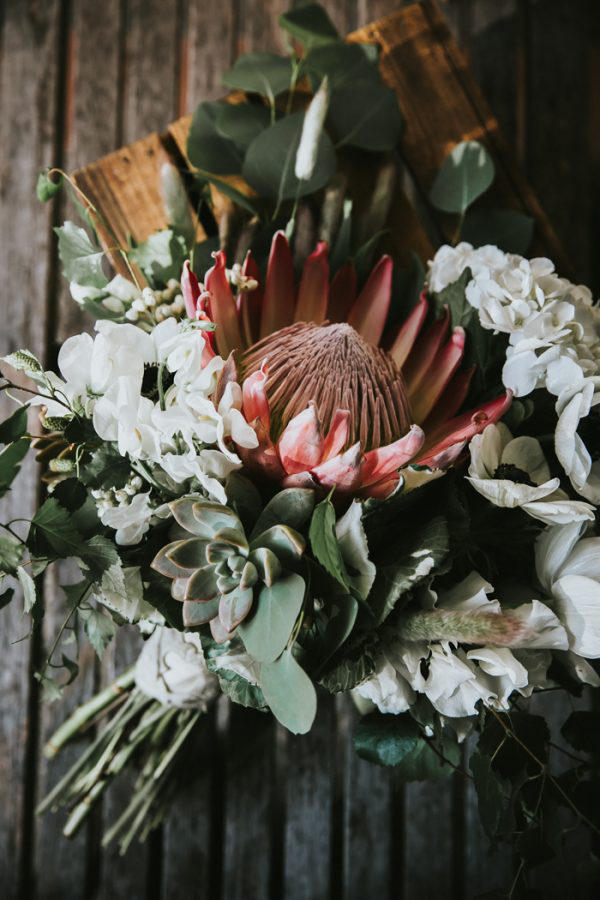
335 399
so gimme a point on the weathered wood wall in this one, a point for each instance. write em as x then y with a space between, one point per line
266 815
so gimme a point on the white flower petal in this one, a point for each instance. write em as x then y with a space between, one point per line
577 603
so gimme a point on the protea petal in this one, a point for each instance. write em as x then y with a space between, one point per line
384 461
406 337
279 297
381 489
227 375
370 309
313 294
464 427
264 457
342 471
222 307
254 398
300 447
436 379
249 303
337 436
424 353
190 288
450 401
342 293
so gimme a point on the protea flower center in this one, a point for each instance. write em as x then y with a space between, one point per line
335 368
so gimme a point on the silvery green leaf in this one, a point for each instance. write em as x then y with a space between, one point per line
190 554
352 542
28 588
466 173
99 628
177 204
234 607
261 73
266 632
214 516
24 361
81 259
269 162
309 24
161 256
286 543
267 565
196 614
292 506
289 693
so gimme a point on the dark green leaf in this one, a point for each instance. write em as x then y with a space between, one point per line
270 160
493 796
466 173
53 533
239 690
106 468
290 693
11 552
70 493
344 65
221 133
398 741
14 427
82 260
230 191
366 115
260 73
324 543
582 731
351 666
72 668
510 758
10 462
309 24
508 229
47 187
98 554
6 596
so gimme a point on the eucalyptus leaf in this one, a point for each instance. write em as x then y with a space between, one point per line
466 173
267 630
290 693
344 64
365 115
261 73
220 134
269 163
309 24
508 229
81 259
232 193
291 506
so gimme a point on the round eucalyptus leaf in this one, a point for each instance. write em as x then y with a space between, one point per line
289 693
309 24
269 163
365 115
466 173
260 73
209 147
266 631
344 64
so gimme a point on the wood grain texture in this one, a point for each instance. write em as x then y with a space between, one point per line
30 68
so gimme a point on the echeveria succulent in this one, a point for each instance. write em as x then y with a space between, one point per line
220 575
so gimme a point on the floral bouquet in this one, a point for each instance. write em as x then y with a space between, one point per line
300 468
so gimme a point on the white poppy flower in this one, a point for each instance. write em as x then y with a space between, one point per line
569 570
496 455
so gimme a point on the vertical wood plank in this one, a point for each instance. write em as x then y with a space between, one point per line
309 795
431 840
90 114
29 76
208 50
150 91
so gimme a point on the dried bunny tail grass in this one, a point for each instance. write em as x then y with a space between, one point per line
496 629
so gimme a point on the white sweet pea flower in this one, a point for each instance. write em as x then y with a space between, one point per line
513 472
124 416
568 445
185 466
387 688
543 628
131 521
233 422
507 673
569 570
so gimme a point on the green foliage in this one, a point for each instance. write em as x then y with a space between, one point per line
354 663
239 690
28 588
365 115
289 693
324 543
260 73
466 173
291 506
269 163
24 361
267 630
10 462
15 426
161 256
508 229
309 24
399 741
99 628
46 188
221 133
416 557
11 552
582 731
81 259
343 64
494 797
106 468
